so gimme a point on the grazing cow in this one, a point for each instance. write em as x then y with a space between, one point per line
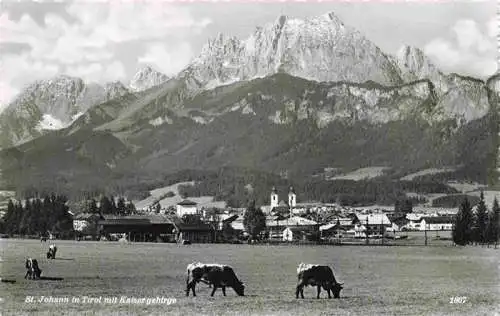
33 271
44 239
217 275
317 275
51 254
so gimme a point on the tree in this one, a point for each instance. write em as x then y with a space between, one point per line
120 206
254 220
481 219
10 218
130 208
462 229
105 206
407 206
93 209
228 232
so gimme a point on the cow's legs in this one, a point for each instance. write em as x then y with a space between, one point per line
213 291
329 295
191 286
299 289
224 290
27 274
319 290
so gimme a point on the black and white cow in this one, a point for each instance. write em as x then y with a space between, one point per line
217 275
32 269
51 254
317 275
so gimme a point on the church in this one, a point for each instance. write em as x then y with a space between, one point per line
281 207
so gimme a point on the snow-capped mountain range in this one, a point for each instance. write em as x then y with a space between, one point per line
319 48
56 103
296 95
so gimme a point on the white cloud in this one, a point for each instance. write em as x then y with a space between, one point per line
15 69
169 60
493 27
87 47
472 51
97 72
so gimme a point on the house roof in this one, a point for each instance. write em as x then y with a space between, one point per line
294 229
125 221
282 203
135 220
400 220
373 219
281 208
187 203
85 216
438 220
194 227
230 218
273 221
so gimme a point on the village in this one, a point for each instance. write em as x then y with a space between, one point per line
286 221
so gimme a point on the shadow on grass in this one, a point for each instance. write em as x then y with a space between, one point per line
7 281
44 278
67 259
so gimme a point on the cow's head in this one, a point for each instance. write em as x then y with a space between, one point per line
239 288
336 288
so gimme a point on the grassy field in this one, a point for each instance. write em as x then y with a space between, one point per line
378 280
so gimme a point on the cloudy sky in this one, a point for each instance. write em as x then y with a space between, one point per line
105 41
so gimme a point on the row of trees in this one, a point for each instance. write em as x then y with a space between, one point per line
51 214
107 205
38 217
481 227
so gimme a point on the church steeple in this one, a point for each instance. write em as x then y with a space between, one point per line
292 198
274 198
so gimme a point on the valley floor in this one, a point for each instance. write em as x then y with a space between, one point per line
378 280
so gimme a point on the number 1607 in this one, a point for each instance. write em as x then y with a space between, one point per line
458 299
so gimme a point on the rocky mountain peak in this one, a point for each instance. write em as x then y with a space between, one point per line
320 48
146 78
415 65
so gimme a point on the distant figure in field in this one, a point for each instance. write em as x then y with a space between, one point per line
51 254
214 274
317 275
32 270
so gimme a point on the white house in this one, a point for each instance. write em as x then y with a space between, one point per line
85 221
186 207
413 221
375 224
293 233
359 231
436 223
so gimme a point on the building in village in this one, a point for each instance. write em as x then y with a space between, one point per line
186 207
85 221
195 232
436 223
294 234
336 228
372 224
276 225
280 207
86 224
139 227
